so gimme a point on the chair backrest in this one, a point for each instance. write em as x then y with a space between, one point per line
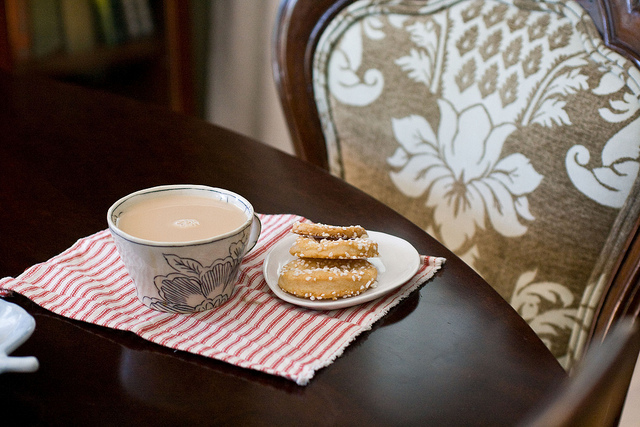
508 129
595 393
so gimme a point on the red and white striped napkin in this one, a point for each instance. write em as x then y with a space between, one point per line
255 329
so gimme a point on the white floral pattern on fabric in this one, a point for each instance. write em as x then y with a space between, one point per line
611 183
530 299
623 109
504 128
344 81
465 177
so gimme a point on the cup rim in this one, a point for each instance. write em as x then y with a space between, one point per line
173 187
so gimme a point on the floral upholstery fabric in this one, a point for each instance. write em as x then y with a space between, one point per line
506 129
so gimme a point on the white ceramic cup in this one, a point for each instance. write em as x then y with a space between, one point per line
191 276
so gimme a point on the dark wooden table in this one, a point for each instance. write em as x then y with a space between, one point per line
452 353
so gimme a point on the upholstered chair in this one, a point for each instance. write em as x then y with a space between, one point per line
506 129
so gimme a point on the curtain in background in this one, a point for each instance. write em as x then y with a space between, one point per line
241 92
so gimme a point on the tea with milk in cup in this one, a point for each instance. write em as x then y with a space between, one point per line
180 218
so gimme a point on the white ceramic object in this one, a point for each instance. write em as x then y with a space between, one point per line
397 263
16 326
185 277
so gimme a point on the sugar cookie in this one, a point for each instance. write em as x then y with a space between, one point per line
324 231
358 248
327 278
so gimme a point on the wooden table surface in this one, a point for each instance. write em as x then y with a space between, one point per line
452 353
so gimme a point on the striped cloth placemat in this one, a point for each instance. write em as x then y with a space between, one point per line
254 330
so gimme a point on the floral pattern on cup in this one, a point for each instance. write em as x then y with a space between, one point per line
194 287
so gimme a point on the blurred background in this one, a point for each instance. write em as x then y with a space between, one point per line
207 58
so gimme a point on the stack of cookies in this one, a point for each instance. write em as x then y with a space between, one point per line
331 262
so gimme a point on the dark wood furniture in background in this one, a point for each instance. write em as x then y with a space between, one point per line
158 68
299 27
619 24
452 353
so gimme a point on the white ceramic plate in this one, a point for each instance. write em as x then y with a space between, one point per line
397 263
16 325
